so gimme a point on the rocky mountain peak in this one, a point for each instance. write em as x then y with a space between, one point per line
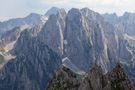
74 13
63 79
95 77
26 22
61 12
53 17
96 70
52 32
116 79
53 10
127 16
114 14
87 11
92 15
61 15
112 18
118 65
34 15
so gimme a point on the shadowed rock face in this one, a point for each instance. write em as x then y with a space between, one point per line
32 68
63 79
116 79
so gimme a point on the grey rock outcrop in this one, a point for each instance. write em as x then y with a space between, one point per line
63 79
94 80
116 79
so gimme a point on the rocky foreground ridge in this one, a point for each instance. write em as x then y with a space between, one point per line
116 79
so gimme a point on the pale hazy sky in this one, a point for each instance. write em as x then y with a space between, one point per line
21 8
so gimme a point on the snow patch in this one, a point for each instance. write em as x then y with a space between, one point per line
65 50
124 63
65 42
129 37
44 19
66 58
68 64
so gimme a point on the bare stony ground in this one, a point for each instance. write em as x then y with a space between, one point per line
7 56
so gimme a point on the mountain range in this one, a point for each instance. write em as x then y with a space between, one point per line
35 46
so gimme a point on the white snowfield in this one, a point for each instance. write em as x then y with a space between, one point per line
129 37
68 64
65 42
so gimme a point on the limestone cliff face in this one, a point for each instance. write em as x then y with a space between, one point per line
52 32
33 67
85 39
116 79
93 40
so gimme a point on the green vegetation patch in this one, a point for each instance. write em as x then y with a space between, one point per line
2 50
1 58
